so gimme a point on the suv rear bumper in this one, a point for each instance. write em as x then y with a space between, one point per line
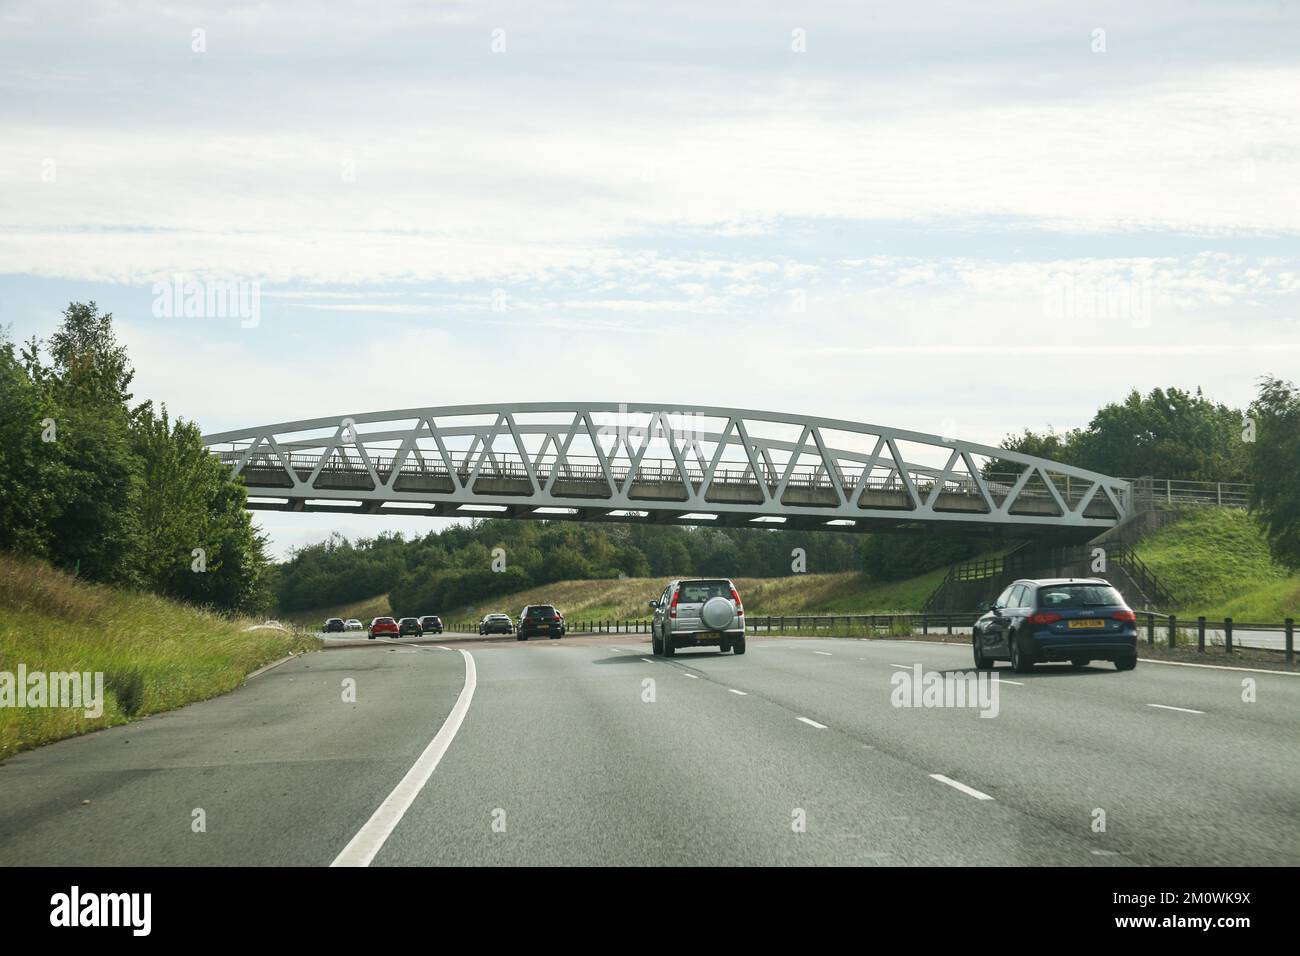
705 638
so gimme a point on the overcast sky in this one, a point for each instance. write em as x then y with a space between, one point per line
926 215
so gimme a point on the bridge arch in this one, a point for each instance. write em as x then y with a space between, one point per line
654 463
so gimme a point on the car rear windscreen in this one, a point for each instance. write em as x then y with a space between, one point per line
697 592
1079 595
541 610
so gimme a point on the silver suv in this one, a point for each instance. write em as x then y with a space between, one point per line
698 612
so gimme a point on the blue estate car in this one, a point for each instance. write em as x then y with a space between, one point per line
1079 620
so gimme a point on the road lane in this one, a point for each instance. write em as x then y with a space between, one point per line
574 767
561 759
284 770
1065 744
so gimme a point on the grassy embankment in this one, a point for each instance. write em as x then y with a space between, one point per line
1217 563
155 654
625 599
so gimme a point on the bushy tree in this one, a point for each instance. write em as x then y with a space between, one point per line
1275 467
116 494
189 504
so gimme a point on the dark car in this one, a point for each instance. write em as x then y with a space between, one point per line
539 619
409 625
431 624
333 624
383 627
1079 620
496 624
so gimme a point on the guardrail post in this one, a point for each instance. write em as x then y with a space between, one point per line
1173 631
1290 640
1151 629
1227 635
1200 634
925 624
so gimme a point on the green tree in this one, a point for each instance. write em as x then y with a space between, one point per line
1275 467
190 504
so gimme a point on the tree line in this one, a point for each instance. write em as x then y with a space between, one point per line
116 492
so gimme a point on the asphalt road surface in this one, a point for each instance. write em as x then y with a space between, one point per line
589 751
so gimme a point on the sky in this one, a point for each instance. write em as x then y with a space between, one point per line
935 216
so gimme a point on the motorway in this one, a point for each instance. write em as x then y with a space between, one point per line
587 750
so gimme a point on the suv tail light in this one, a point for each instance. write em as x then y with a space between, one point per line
1046 618
740 608
672 608
1125 616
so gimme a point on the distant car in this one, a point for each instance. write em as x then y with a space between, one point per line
1079 620
409 625
538 619
333 624
698 612
383 627
496 624
352 624
431 624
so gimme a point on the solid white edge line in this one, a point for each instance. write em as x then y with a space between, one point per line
824 653
1219 667
361 849
812 723
1003 680
958 785
740 693
691 676
1181 710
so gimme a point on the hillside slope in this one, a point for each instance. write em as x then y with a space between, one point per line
154 654
844 593
1217 563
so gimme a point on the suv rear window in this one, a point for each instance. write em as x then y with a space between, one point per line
697 592
1078 595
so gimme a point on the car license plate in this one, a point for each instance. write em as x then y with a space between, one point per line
1087 622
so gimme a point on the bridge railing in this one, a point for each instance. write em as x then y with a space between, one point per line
1156 493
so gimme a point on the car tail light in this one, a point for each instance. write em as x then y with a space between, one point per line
672 608
1125 615
1047 618
740 608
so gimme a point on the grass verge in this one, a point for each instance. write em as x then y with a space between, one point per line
155 654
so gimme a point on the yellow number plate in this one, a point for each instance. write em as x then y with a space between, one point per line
1087 622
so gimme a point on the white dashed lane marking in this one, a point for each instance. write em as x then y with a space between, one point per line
958 785
1181 710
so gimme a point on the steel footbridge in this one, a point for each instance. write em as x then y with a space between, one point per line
659 464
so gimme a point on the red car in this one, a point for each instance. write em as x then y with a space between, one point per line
383 625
